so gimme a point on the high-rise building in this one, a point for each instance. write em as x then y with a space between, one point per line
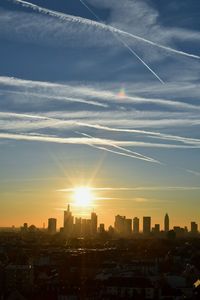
88 227
122 225
127 226
119 224
101 228
84 227
194 228
157 228
77 227
68 221
93 223
52 223
136 225
146 225
166 223
111 230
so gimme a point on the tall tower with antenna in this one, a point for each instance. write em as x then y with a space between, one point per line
68 221
166 223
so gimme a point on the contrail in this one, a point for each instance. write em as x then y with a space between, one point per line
91 11
140 59
138 188
131 153
193 172
159 135
86 141
92 142
124 43
61 122
102 95
58 98
19 115
85 21
120 153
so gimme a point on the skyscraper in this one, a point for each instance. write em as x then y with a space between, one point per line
136 225
68 221
156 228
119 224
166 223
77 227
127 227
88 227
93 223
194 228
83 227
52 225
101 228
146 225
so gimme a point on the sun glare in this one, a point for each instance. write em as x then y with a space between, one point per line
82 196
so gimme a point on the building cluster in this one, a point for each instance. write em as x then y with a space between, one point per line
125 227
75 227
79 227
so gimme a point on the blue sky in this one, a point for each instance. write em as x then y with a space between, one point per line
110 100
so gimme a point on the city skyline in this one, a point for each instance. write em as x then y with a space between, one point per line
99 108
72 225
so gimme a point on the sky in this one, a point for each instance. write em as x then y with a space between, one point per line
102 94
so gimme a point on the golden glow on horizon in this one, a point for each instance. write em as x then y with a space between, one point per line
83 196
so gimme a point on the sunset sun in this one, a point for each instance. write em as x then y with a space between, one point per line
82 196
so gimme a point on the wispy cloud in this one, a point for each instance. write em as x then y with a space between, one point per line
137 188
66 123
126 45
69 102
193 172
85 94
116 122
48 122
141 200
90 141
99 25
56 98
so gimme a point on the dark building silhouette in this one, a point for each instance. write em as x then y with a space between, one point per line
24 228
146 225
101 228
68 221
156 229
52 223
122 225
119 224
136 225
194 228
77 227
166 223
127 227
88 227
84 227
93 223
179 231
